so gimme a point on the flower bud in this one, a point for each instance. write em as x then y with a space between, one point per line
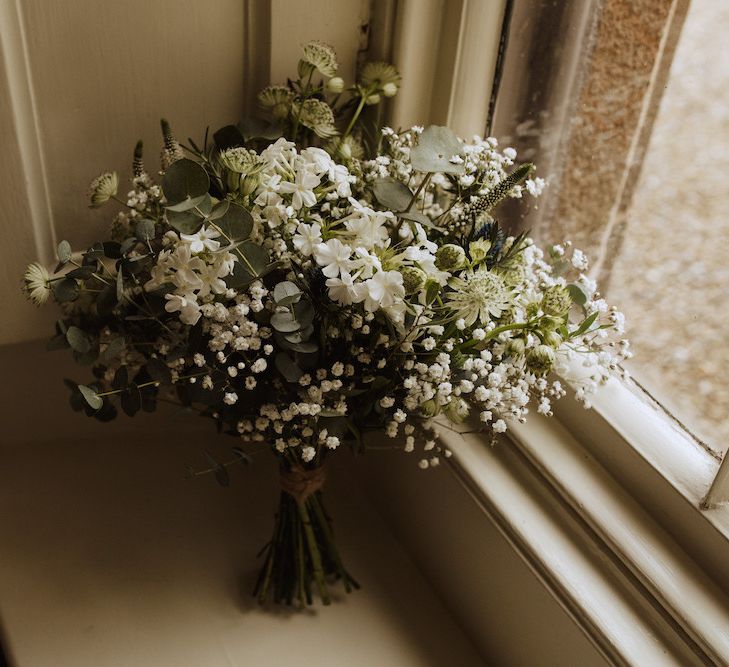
413 279
479 249
335 85
373 99
556 301
549 323
389 89
280 110
540 359
515 348
457 410
429 408
553 339
450 257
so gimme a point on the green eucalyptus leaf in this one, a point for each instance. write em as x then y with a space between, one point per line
256 265
159 371
306 347
187 203
287 367
78 340
284 322
112 350
112 249
131 400
236 223
185 222
81 272
286 293
65 290
127 245
436 146
91 397
219 210
184 179
416 216
304 314
392 194
63 252
121 378
144 229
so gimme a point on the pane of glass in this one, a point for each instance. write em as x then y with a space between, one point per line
672 276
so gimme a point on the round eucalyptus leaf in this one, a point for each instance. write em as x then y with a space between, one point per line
184 179
65 290
91 397
284 322
235 223
416 216
187 203
81 272
185 222
112 350
287 367
436 146
144 229
63 252
286 293
392 194
78 340
304 314
577 294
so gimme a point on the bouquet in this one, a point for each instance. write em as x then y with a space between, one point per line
304 279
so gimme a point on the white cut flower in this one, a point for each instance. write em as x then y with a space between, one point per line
37 285
302 189
333 256
186 304
203 240
479 297
307 237
384 289
344 290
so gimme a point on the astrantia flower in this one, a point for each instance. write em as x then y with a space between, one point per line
321 57
276 98
317 116
103 188
381 75
37 285
242 161
479 297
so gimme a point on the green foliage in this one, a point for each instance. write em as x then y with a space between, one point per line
65 290
577 294
286 293
91 397
436 147
63 252
392 194
185 179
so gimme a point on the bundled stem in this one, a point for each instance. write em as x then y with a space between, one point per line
302 552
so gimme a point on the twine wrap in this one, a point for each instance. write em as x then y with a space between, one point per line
300 483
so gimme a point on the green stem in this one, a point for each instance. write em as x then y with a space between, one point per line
301 105
317 568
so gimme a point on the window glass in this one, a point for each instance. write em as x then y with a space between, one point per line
672 275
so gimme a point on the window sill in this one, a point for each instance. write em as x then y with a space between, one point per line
604 507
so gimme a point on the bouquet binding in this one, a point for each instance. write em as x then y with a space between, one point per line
306 278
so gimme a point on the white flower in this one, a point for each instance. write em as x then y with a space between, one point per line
186 304
230 398
478 297
384 289
302 189
202 241
333 256
307 237
499 426
307 453
344 290
579 260
37 284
